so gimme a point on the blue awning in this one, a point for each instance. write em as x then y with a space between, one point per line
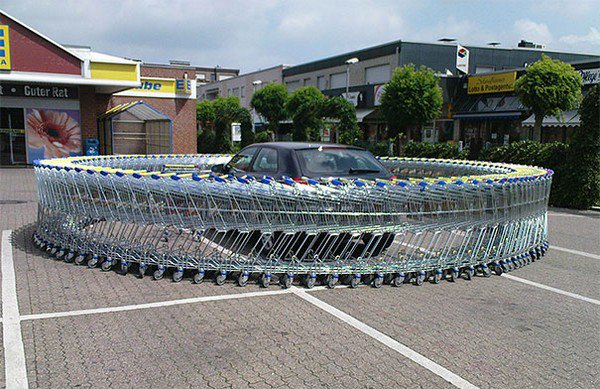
488 116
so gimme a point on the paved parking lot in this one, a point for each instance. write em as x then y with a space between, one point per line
70 326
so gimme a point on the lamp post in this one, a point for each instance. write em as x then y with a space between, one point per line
349 62
255 84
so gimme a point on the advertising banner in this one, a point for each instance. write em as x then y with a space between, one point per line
4 48
163 88
462 59
590 76
379 89
52 133
492 83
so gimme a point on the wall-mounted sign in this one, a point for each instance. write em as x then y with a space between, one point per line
590 76
491 83
4 48
462 59
183 85
162 88
42 91
352 97
379 89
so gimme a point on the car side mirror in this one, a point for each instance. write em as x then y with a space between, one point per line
220 168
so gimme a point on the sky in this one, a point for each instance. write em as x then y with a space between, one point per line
257 34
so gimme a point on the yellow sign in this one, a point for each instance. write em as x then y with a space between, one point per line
4 48
184 86
492 83
114 71
155 85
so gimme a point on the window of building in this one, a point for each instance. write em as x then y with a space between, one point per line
236 92
306 82
242 91
224 77
378 74
228 92
337 80
321 83
292 85
213 77
201 76
483 69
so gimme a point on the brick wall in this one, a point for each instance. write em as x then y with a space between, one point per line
181 111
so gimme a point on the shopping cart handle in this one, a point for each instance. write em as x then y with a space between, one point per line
155 176
175 177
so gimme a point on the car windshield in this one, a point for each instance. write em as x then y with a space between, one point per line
338 162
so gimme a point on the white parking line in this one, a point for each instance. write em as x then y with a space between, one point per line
386 340
159 304
15 370
551 289
576 252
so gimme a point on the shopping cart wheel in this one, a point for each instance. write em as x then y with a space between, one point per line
453 273
80 259
331 280
199 277
69 257
469 273
437 276
486 271
106 265
378 281
243 279
142 270
355 281
92 262
60 254
178 275
367 279
54 250
310 280
158 274
220 278
286 280
398 280
265 280
498 269
124 267
420 278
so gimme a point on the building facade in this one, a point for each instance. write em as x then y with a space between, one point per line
60 100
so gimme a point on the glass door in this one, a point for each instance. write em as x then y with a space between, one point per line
13 149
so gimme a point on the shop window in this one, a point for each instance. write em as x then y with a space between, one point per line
337 80
378 74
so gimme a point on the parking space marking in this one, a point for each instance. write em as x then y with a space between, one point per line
576 252
15 370
551 289
158 304
409 353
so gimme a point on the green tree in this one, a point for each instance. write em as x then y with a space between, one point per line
245 119
412 98
548 87
341 109
583 179
205 116
270 102
305 106
227 111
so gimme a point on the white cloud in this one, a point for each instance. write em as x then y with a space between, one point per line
532 31
591 38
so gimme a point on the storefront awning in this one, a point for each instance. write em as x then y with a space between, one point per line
361 113
139 109
488 116
569 119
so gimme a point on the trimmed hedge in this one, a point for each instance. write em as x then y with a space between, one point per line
434 150
553 156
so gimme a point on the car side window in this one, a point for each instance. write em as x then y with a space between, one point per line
241 161
266 161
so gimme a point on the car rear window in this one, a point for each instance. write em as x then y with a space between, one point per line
337 162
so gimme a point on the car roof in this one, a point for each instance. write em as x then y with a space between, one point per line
303 145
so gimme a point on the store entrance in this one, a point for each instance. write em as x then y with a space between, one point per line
13 150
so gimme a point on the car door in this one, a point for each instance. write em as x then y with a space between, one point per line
241 163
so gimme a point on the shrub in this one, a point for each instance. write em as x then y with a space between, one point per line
549 155
434 150
263 136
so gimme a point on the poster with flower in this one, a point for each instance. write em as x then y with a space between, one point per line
52 133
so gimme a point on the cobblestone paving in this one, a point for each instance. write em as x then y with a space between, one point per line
258 342
493 332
